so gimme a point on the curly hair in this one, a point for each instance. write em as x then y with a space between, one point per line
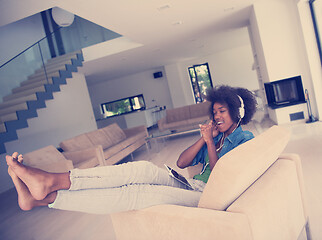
229 95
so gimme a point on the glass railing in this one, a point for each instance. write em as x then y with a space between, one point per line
17 69
79 35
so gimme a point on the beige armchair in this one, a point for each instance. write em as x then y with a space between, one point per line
254 192
51 160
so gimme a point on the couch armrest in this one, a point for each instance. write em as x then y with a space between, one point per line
273 204
134 130
89 157
161 123
178 222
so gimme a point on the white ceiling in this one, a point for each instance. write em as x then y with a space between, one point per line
170 31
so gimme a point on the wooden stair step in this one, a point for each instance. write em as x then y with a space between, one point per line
53 67
18 100
13 108
24 93
8 117
31 85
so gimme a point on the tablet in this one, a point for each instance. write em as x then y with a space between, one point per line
173 173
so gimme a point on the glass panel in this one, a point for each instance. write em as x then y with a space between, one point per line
117 108
18 70
123 106
203 80
200 81
138 103
194 84
83 33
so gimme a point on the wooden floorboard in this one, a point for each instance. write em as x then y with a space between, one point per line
50 224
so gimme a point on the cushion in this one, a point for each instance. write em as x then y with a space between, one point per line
241 167
76 143
114 132
48 159
109 152
132 139
98 137
177 114
198 120
199 109
89 163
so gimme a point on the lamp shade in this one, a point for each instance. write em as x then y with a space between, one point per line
62 17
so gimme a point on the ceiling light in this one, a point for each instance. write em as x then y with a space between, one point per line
164 7
177 23
62 17
229 9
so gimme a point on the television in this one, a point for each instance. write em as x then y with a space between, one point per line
285 92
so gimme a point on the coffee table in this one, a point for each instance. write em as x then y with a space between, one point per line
156 136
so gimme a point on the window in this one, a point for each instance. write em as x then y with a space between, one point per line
200 81
316 7
123 106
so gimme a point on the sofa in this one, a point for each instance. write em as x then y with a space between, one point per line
50 159
184 118
116 143
254 192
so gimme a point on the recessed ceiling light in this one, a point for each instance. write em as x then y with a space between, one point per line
177 23
229 9
164 7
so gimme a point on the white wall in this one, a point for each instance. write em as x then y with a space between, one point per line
312 52
68 114
181 92
135 84
230 67
279 45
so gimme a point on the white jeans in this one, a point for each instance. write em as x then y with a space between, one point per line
128 186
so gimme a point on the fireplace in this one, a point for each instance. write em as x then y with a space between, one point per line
285 92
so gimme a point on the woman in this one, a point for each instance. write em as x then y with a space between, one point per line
139 184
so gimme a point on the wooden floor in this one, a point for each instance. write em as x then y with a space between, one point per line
49 224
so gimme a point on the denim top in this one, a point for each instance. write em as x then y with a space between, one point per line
233 140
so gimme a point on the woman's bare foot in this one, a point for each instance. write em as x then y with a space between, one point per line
19 159
25 200
38 182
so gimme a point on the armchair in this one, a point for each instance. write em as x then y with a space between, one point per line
51 160
254 192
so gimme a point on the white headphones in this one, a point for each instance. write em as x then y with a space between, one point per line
241 108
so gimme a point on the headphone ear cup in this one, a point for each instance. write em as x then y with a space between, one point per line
241 108
241 112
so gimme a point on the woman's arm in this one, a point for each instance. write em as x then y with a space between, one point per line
186 157
208 131
212 154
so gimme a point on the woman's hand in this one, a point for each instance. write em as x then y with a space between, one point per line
209 131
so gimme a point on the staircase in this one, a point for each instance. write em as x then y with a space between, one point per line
32 94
